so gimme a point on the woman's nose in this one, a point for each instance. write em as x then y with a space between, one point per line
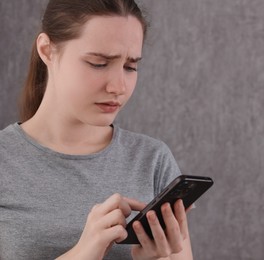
116 85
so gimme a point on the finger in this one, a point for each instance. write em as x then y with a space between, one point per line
111 219
136 251
158 234
135 204
125 208
173 231
181 218
143 238
114 234
113 202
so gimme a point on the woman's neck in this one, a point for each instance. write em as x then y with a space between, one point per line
68 137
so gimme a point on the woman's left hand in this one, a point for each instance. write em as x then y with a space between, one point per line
173 243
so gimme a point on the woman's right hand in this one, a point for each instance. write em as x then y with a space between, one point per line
105 225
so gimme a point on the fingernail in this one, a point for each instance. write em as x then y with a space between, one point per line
168 209
152 216
180 203
136 226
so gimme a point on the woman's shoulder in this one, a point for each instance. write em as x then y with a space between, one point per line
139 140
9 134
7 130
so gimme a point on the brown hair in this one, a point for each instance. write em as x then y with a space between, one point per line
62 21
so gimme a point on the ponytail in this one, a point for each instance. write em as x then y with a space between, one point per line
34 88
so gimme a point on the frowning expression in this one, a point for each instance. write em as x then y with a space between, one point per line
95 75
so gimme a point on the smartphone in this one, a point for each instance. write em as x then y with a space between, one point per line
186 187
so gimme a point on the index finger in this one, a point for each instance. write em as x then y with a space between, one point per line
125 207
110 204
135 204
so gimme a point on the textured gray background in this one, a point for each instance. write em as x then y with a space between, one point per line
201 90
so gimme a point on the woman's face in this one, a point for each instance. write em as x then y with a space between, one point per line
93 77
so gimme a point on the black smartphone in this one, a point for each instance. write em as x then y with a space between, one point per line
186 187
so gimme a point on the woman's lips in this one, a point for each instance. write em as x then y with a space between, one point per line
108 107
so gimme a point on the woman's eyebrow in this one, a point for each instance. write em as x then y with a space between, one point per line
113 57
134 60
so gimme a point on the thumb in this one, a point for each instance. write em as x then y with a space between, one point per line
135 204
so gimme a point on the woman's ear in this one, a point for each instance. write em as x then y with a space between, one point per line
44 48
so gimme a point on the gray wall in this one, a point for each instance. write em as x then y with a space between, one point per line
201 90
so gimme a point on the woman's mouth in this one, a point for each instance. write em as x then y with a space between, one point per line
108 107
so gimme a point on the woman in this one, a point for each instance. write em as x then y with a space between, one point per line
66 160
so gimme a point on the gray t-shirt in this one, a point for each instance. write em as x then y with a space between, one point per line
45 196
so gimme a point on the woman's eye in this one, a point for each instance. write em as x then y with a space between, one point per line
97 65
130 69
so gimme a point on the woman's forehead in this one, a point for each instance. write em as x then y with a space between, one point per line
109 34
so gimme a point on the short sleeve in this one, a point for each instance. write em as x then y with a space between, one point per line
168 169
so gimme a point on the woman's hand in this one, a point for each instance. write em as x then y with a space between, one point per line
105 225
174 243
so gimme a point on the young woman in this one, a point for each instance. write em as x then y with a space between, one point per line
66 160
